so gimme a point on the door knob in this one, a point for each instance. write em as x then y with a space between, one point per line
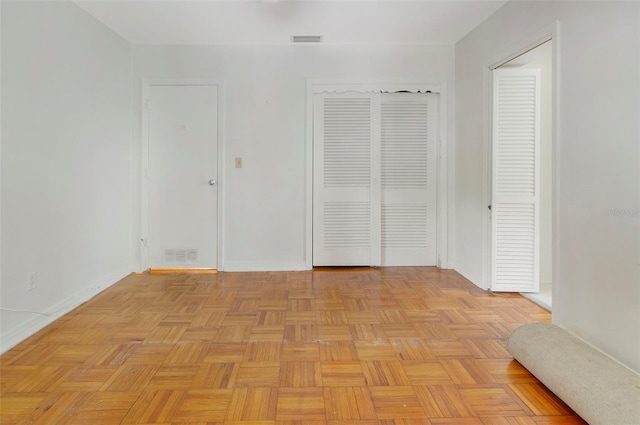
212 182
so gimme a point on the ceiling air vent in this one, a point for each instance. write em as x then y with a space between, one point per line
306 38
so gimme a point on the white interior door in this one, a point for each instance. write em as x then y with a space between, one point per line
409 149
345 225
182 176
375 165
515 206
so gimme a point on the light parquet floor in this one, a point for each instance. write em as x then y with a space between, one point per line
389 346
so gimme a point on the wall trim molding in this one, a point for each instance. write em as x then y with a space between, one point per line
38 321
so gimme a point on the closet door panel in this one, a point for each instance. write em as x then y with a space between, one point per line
342 228
409 141
515 180
375 163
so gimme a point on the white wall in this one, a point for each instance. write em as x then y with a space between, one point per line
596 258
66 161
265 116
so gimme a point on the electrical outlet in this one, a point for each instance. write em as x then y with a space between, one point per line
238 162
32 281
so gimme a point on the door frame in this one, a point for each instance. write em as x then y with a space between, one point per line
443 189
549 33
147 84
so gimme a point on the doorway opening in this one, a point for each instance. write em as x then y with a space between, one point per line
181 132
539 250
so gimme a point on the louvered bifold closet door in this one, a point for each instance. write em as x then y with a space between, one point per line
345 227
515 180
409 149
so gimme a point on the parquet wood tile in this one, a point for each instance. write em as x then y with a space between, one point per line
361 316
258 374
239 319
232 333
349 403
300 351
558 420
538 399
412 349
490 400
154 406
385 373
466 371
224 353
104 407
252 404
113 354
187 353
368 332
13 376
396 403
300 404
507 371
65 404
338 317
342 374
405 422
392 316
443 401
238 423
338 351
333 346
300 317
300 374
456 421
265 317
150 353
375 350
174 377
334 333
267 333
435 331
215 375
487 348
204 405
44 379
263 351
426 373
508 421
130 377
18 406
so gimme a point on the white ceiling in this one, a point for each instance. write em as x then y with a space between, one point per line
274 22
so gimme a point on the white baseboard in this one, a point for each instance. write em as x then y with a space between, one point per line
30 326
264 266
